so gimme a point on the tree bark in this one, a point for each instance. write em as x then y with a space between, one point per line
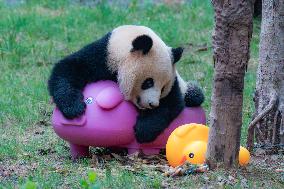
257 8
268 123
231 41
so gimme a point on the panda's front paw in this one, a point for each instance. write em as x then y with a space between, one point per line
74 110
143 135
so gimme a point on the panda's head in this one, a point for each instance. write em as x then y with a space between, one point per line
144 63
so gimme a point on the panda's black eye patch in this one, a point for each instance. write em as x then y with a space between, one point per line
148 83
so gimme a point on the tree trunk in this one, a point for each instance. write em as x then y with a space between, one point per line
257 8
268 123
231 41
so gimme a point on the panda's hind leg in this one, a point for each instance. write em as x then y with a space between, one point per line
194 95
191 91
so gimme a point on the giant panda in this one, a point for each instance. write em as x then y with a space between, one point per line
143 66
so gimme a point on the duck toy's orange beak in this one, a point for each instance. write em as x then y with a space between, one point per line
189 143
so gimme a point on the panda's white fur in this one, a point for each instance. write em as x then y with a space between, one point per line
182 84
133 68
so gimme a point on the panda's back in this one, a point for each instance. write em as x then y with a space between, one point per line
94 58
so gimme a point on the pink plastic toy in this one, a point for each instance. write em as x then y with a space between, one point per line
109 121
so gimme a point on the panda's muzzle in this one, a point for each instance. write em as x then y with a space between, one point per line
149 105
153 105
138 103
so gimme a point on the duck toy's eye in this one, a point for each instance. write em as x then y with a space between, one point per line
191 155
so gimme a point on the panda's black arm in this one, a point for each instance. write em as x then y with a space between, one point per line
70 75
68 78
151 123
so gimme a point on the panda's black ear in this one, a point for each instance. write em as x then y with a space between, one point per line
177 53
142 43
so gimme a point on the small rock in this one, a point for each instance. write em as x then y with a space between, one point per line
274 157
219 178
232 180
221 181
244 183
259 152
206 178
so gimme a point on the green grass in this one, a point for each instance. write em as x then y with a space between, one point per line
36 34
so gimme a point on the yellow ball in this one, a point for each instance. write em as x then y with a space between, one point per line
244 156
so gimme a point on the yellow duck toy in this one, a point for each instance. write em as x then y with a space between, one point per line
189 143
